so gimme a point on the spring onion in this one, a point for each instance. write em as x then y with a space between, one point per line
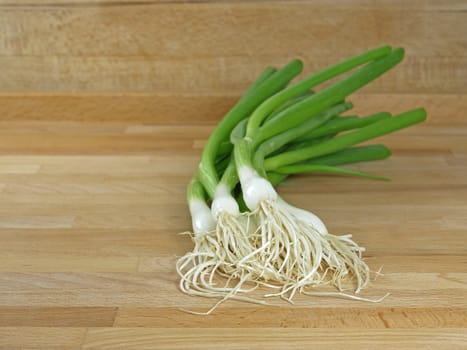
247 236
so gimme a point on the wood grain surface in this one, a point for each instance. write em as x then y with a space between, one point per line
89 234
220 46
105 106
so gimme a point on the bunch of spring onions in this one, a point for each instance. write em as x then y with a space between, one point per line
245 235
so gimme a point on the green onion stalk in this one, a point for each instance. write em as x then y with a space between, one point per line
277 131
222 219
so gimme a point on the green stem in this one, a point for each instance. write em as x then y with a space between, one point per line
238 132
222 163
225 148
242 152
195 190
338 143
264 76
307 143
248 103
347 156
276 142
352 155
343 124
307 168
329 96
287 104
230 176
277 100
275 178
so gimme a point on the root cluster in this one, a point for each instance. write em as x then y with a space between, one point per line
272 248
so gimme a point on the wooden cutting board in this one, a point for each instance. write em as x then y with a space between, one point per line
104 109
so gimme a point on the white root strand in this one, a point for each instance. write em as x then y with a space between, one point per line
274 248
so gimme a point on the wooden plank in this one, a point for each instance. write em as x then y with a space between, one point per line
187 109
93 184
75 144
428 4
163 108
31 261
227 29
143 46
389 263
86 243
16 316
174 216
19 168
15 338
166 140
431 209
36 221
244 338
147 289
449 197
122 165
19 143
116 248
133 184
297 317
444 74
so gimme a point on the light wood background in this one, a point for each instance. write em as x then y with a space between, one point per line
104 108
